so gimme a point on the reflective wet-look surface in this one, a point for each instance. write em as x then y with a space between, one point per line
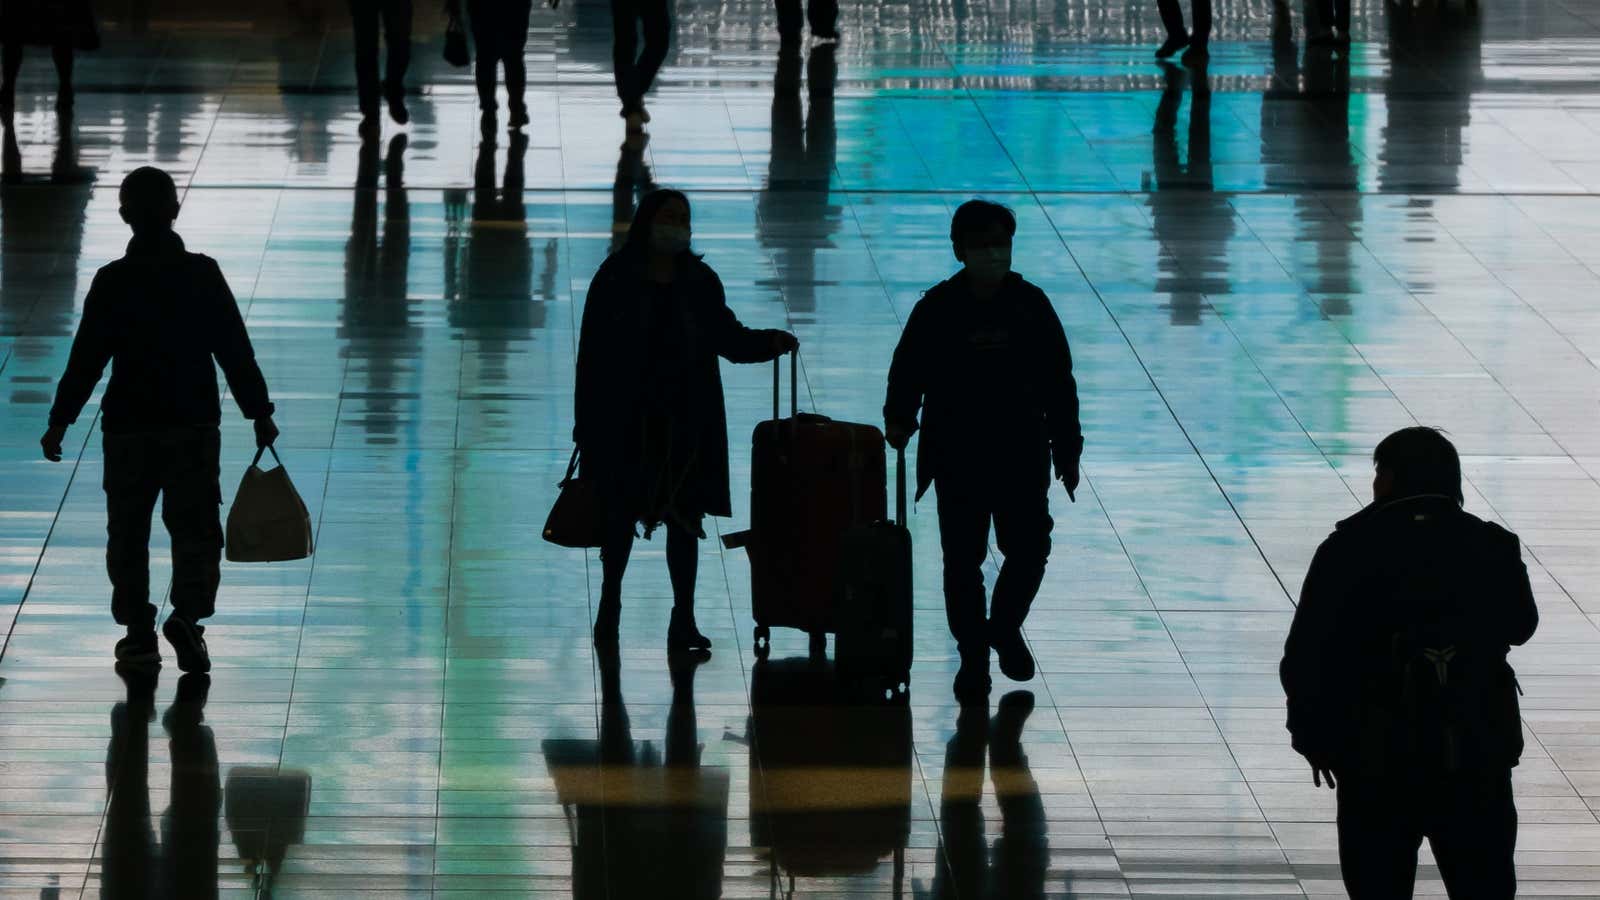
1263 267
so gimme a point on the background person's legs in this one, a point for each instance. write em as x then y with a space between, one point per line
625 51
396 46
131 484
1022 527
364 21
1172 18
486 47
657 27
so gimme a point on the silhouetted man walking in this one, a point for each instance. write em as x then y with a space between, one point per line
984 357
1399 692
395 16
159 315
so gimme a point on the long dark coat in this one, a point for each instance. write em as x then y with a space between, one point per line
612 353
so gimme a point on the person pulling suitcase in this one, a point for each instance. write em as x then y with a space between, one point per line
985 360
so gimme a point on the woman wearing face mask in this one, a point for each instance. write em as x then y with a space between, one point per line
650 423
984 358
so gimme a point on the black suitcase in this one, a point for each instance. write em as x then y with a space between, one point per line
872 599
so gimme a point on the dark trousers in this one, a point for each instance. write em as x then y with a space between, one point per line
1334 14
1469 821
1022 523
396 19
11 62
180 465
499 35
821 15
1172 18
636 70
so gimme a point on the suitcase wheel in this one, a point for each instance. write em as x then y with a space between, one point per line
819 643
763 639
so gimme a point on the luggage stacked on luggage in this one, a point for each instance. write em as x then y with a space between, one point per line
822 557
830 780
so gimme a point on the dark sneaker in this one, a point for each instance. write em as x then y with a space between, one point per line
519 116
397 109
139 649
1016 663
1173 45
972 679
1196 56
189 641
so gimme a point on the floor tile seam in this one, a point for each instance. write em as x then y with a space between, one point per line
449 584
1237 515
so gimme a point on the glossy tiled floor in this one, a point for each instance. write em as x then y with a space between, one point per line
1261 271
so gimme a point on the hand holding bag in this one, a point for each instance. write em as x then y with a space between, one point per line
268 521
576 519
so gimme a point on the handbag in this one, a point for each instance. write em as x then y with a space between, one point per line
455 41
268 521
575 519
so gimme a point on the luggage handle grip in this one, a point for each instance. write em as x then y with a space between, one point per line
794 383
900 487
255 463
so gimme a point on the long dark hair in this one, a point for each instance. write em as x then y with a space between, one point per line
637 246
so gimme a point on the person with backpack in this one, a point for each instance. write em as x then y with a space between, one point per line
159 316
1399 693
984 359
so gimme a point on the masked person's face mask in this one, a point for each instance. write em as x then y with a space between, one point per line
669 240
989 264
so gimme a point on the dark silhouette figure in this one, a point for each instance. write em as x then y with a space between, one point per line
1398 688
489 273
499 35
796 212
650 420
821 15
376 326
634 67
1197 42
633 182
830 776
1435 69
41 238
395 18
1330 23
658 821
1015 867
984 357
183 863
65 26
1190 219
159 316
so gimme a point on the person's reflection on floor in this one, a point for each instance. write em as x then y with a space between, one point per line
1015 867
1435 69
1191 221
633 181
656 823
795 212
184 863
489 263
41 238
376 322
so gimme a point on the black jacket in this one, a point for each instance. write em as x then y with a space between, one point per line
993 381
1392 567
159 315
613 351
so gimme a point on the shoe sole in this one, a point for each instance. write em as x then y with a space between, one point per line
152 658
186 659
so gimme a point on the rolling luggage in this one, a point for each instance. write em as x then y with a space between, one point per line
872 599
811 480
830 779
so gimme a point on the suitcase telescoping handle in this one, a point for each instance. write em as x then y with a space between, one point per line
794 383
900 487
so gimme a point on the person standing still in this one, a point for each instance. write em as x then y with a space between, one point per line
159 316
395 16
984 357
1399 693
